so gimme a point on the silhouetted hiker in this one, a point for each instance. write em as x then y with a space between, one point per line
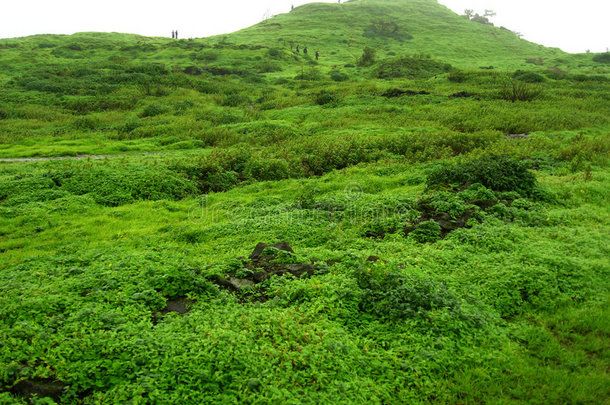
317 55
173 35
292 7
298 49
176 34
305 50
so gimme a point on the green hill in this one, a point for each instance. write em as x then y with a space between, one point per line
435 191
340 31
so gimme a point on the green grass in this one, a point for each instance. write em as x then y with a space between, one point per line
492 292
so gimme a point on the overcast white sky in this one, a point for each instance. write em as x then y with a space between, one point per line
574 26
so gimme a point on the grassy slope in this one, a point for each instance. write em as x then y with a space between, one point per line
91 250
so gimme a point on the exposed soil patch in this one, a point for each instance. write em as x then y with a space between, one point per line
42 387
399 92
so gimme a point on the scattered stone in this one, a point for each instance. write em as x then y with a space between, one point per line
42 387
181 305
398 93
260 267
262 246
372 259
486 67
518 136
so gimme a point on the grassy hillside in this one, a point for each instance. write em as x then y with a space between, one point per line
447 222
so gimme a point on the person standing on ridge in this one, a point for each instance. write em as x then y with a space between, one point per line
173 35
176 34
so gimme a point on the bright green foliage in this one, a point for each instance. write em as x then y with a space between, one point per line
456 216
428 231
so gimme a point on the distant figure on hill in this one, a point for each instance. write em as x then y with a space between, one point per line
292 7
305 50
173 35
298 49
176 34
317 55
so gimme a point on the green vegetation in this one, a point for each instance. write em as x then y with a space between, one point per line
442 182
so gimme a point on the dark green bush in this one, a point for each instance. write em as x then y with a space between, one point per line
516 90
234 100
338 76
426 232
602 58
115 186
528 77
497 172
392 295
457 76
267 169
324 98
367 58
275 53
269 67
152 110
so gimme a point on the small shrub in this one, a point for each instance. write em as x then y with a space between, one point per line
457 76
269 67
602 58
426 232
267 169
235 100
367 58
324 98
275 53
528 77
515 90
499 173
152 110
338 76
392 295
85 123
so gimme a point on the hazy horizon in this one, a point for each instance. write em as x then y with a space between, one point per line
544 22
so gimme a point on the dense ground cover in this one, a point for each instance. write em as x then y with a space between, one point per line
456 217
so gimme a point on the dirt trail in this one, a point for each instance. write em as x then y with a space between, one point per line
75 157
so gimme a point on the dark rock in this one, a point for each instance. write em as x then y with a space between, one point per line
256 253
486 67
484 204
181 305
372 259
43 387
398 93
239 283
461 94
298 269
518 136
192 70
